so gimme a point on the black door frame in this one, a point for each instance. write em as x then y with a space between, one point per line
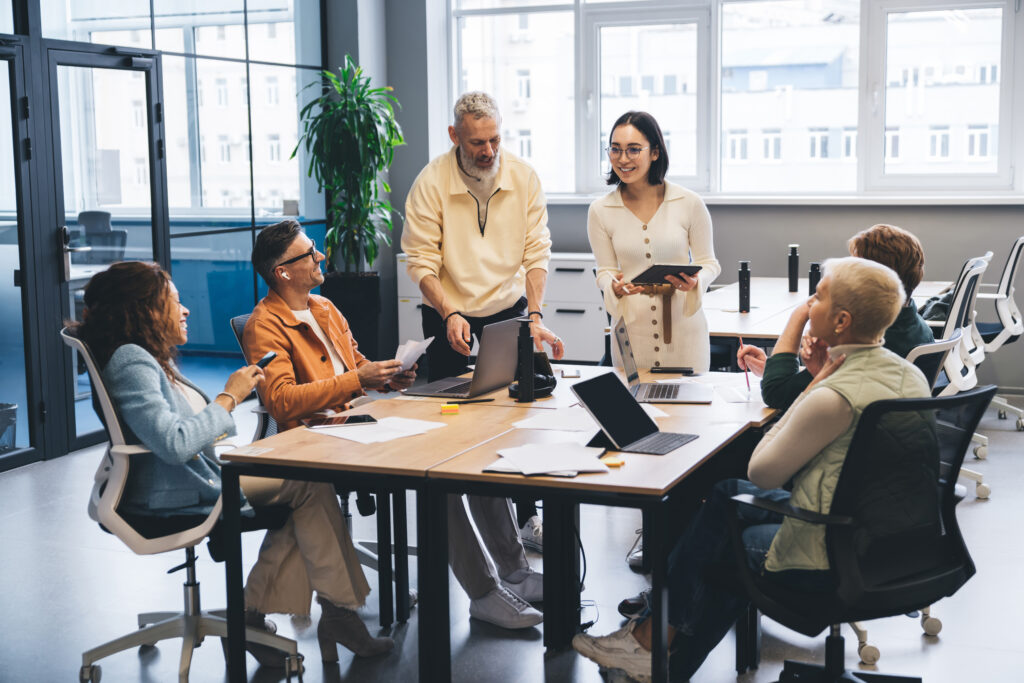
12 51
54 53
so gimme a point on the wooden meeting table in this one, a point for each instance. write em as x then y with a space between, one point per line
451 461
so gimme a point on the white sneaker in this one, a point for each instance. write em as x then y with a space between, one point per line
504 608
532 534
527 584
617 650
635 559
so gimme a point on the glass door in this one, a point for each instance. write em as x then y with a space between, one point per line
19 432
108 168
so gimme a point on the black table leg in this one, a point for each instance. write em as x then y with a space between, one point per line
387 603
645 541
561 573
435 647
232 525
400 523
659 591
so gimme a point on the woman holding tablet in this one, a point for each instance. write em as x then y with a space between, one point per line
646 221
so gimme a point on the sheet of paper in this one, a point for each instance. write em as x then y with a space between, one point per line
410 351
250 450
386 429
574 419
653 411
554 457
738 394
505 466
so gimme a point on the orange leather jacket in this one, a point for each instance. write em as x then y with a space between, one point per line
300 380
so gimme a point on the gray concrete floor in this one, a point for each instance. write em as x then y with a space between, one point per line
67 586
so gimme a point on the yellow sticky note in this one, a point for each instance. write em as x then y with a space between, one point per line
449 409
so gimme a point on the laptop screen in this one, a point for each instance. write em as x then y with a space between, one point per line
626 352
614 408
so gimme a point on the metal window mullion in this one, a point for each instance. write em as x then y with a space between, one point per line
195 159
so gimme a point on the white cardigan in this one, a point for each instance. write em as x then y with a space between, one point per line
678 233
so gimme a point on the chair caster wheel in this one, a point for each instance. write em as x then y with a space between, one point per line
869 654
931 625
981 452
1002 414
982 491
1020 424
90 674
293 665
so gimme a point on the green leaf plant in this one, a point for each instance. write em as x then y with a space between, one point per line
349 134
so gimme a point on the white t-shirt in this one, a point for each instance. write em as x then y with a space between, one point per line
306 316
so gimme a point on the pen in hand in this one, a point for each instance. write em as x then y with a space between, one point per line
746 374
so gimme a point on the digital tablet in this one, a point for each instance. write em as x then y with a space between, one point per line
655 275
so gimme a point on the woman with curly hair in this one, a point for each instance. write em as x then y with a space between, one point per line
133 322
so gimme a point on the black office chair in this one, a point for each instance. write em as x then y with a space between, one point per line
150 534
883 564
106 245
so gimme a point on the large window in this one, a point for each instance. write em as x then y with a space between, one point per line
847 96
232 75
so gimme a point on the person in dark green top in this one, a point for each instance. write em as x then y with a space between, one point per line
783 379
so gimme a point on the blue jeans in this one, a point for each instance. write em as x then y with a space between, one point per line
702 613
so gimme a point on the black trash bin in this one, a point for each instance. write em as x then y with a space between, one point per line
8 421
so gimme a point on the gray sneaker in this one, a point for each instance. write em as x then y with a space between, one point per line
526 583
504 608
532 534
617 650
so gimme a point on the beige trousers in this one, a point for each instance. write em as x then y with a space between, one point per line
497 526
312 551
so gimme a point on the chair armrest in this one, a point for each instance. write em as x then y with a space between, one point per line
788 510
936 323
128 449
993 296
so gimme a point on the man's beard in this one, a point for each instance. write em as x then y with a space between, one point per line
471 169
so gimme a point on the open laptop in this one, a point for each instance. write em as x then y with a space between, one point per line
655 392
624 422
495 365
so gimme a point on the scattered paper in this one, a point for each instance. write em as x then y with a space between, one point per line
386 429
546 458
505 466
574 419
410 351
653 410
737 395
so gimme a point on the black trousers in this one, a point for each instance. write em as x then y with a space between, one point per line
442 359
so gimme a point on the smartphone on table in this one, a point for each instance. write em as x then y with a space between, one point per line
339 421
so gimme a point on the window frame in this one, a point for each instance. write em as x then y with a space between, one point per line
870 153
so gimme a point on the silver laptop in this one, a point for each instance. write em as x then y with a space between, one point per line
655 392
624 423
495 365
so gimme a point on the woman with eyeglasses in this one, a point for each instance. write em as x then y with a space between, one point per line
644 221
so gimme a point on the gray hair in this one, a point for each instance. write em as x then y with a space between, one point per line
478 105
870 292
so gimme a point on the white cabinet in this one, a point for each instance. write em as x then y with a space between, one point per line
573 308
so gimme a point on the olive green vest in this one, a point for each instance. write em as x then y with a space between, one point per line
867 375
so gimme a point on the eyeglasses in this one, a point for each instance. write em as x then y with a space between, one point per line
311 252
632 152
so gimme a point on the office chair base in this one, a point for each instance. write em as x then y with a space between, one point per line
802 672
192 629
1006 407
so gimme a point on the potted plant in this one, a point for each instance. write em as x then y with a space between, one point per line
349 134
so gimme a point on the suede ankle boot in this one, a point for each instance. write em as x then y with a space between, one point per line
264 654
342 625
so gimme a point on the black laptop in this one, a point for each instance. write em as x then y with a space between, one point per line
622 420
495 365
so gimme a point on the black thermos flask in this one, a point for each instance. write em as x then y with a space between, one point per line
794 267
744 286
813 276
525 394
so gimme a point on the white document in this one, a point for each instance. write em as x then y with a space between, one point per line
410 351
554 457
505 466
574 419
386 429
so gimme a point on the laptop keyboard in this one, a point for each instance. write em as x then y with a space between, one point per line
457 389
659 443
656 391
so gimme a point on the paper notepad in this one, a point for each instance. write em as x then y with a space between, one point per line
549 458
386 429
